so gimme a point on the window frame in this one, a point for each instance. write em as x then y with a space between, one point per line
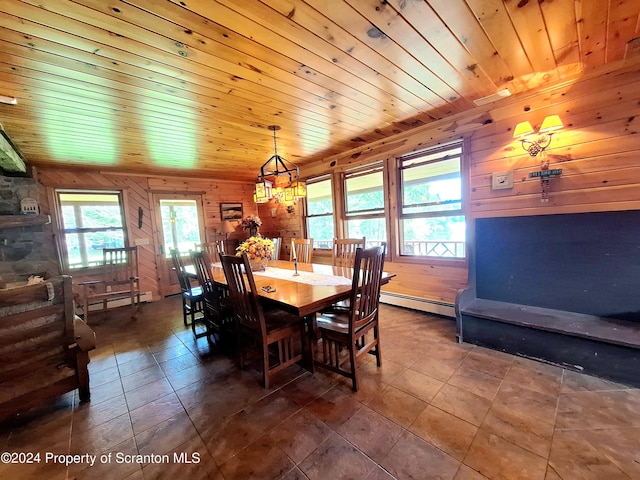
370 214
462 143
332 214
62 232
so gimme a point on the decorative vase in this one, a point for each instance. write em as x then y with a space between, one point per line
253 232
259 264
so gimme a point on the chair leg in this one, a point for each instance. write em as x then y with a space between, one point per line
377 354
265 364
354 370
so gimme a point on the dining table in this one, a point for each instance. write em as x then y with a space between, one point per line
303 291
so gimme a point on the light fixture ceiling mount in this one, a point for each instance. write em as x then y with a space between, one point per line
274 167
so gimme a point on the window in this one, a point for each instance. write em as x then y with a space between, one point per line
432 221
91 221
364 205
320 213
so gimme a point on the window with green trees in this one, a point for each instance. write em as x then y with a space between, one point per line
364 205
91 221
432 220
320 224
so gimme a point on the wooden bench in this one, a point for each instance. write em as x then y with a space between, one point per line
557 288
43 346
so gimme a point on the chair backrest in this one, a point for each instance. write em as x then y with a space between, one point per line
365 294
214 249
243 293
202 264
178 266
277 243
120 265
303 248
344 251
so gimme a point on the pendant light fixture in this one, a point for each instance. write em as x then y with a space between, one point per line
275 167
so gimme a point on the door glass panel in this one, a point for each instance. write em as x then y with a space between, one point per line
180 226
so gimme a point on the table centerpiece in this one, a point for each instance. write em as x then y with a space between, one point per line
259 250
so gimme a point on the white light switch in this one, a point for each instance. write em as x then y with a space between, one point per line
500 180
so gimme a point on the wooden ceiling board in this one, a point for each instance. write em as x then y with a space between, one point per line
190 86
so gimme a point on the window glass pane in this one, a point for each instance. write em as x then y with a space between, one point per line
321 230
91 222
319 201
432 187
373 229
179 229
364 193
434 236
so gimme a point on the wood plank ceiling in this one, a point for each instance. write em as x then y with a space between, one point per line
189 87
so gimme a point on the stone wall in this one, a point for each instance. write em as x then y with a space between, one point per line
24 250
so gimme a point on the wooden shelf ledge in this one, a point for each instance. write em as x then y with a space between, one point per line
12 221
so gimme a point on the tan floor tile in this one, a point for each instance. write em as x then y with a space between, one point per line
418 384
230 437
499 459
548 382
299 435
445 431
218 409
260 460
89 415
609 409
166 436
579 382
336 458
476 382
371 433
295 474
520 429
462 403
143 377
334 407
179 363
149 392
111 467
155 412
102 437
307 388
466 473
397 405
527 402
485 362
426 461
191 460
580 454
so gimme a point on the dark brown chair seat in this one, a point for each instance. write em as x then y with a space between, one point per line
278 334
354 330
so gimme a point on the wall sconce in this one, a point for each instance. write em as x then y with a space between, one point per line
549 125
523 130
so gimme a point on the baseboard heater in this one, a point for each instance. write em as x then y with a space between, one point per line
416 303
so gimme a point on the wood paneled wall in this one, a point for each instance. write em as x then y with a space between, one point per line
137 194
598 151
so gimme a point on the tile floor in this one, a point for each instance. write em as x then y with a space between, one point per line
435 409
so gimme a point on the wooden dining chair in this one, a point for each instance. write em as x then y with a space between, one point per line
278 334
214 249
303 248
343 253
356 329
216 309
277 244
119 280
191 294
